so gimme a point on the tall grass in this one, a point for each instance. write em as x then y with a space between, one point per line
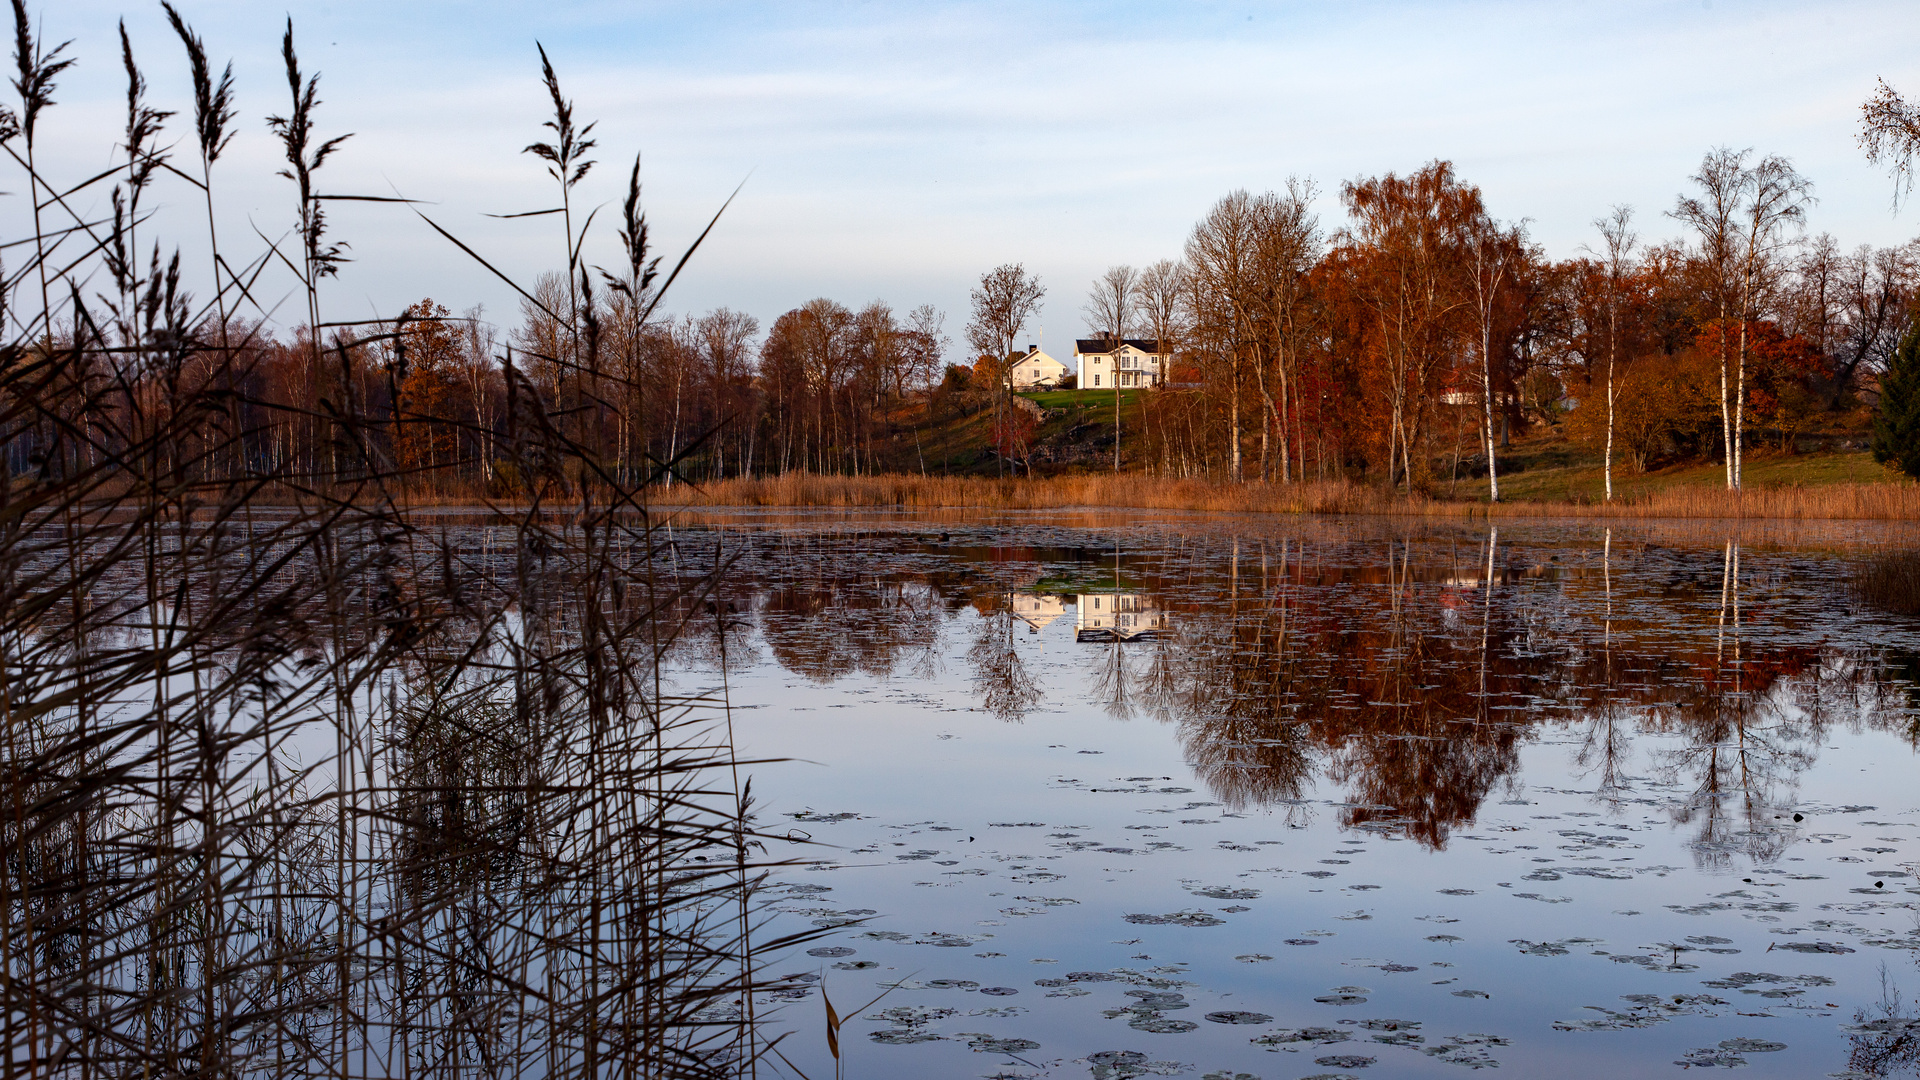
1134 491
316 790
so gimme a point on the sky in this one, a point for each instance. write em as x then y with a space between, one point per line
897 151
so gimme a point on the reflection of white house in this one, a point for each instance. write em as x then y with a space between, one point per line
1037 610
1136 362
1035 369
1117 617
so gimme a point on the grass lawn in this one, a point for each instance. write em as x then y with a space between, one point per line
1089 398
1585 481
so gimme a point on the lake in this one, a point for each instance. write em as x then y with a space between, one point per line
1156 795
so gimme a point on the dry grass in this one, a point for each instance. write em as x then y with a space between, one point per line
1884 501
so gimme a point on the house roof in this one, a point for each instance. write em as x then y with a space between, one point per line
1104 345
1036 356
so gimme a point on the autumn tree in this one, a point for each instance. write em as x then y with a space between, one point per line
425 361
1405 243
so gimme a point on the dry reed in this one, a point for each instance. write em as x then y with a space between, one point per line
1887 501
320 792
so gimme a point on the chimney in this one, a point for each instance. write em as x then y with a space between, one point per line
1030 350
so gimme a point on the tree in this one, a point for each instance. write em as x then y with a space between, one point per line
1287 246
1220 267
1742 217
1896 423
1112 306
726 343
1162 288
1890 134
1777 199
1405 259
1713 214
425 368
1619 238
1491 254
1005 299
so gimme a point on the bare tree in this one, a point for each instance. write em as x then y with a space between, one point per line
1005 299
1287 245
1890 134
1220 265
1162 287
1619 240
925 346
1113 302
727 346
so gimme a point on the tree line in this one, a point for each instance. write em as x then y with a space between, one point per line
1406 345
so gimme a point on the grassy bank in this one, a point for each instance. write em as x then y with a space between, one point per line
1884 500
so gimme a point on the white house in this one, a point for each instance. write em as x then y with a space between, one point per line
1135 362
1037 609
1036 371
1116 616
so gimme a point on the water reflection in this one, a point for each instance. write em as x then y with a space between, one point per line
1407 671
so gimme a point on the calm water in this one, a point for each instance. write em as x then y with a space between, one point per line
1239 798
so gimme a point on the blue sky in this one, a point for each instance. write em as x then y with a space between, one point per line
896 151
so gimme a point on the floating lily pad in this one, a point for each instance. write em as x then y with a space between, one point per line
990 1044
1279 1039
1239 1017
1178 918
831 951
1745 1045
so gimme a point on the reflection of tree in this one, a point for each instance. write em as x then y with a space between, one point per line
1001 679
1114 682
1884 1039
1745 737
1241 728
1161 690
838 624
1415 679
1606 744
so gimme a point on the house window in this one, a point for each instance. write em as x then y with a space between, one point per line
1096 380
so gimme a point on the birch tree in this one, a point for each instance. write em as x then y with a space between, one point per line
1714 215
1618 238
1491 252
1288 246
1776 204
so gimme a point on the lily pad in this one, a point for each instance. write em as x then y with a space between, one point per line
1235 1016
